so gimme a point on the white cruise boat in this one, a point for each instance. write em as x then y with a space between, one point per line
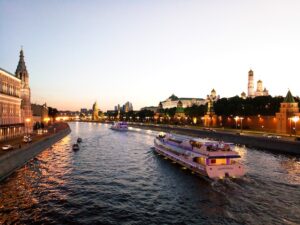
212 159
120 126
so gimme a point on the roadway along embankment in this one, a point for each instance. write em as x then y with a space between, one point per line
257 142
15 159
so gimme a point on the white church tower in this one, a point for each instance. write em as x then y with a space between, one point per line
251 92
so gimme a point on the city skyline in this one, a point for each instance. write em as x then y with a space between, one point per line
143 52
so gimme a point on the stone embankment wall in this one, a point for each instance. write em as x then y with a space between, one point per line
257 142
15 159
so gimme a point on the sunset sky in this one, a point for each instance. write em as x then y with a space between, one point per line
77 52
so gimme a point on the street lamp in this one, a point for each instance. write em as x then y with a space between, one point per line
46 120
195 120
241 118
295 119
236 120
27 120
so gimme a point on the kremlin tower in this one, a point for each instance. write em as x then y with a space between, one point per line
250 84
260 91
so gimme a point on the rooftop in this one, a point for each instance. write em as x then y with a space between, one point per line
8 73
289 98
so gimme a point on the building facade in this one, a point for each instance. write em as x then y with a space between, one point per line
11 123
260 90
15 106
150 108
40 113
179 111
173 100
127 107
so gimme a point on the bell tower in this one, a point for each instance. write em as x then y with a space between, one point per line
22 74
251 84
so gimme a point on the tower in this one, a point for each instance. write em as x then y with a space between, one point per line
179 110
213 93
288 109
95 115
210 118
250 84
260 86
22 74
259 89
243 95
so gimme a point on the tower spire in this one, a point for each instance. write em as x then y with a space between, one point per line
21 71
22 74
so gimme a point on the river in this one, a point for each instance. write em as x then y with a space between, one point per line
116 178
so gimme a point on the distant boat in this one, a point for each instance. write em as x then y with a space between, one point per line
79 140
120 126
75 147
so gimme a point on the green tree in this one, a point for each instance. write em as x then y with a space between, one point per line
52 112
236 106
195 111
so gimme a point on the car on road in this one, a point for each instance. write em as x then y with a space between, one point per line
27 139
7 147
272 136
209 129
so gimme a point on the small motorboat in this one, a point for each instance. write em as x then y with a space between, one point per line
79 140
120 126
75 147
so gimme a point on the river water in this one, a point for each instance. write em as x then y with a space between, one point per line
116 178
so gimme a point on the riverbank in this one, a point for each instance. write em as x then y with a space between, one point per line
259 142
14 159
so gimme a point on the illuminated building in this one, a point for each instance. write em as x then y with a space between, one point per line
210 118
173 100
11 123
15 106
150 108
95 114
260 91
127 107
243 95
22 74
40 113
289 109
179 110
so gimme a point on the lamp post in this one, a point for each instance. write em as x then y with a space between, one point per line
27 120
195 120
236 120
46 120
241 123
295 119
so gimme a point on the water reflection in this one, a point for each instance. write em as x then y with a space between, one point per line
117 177
291 167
